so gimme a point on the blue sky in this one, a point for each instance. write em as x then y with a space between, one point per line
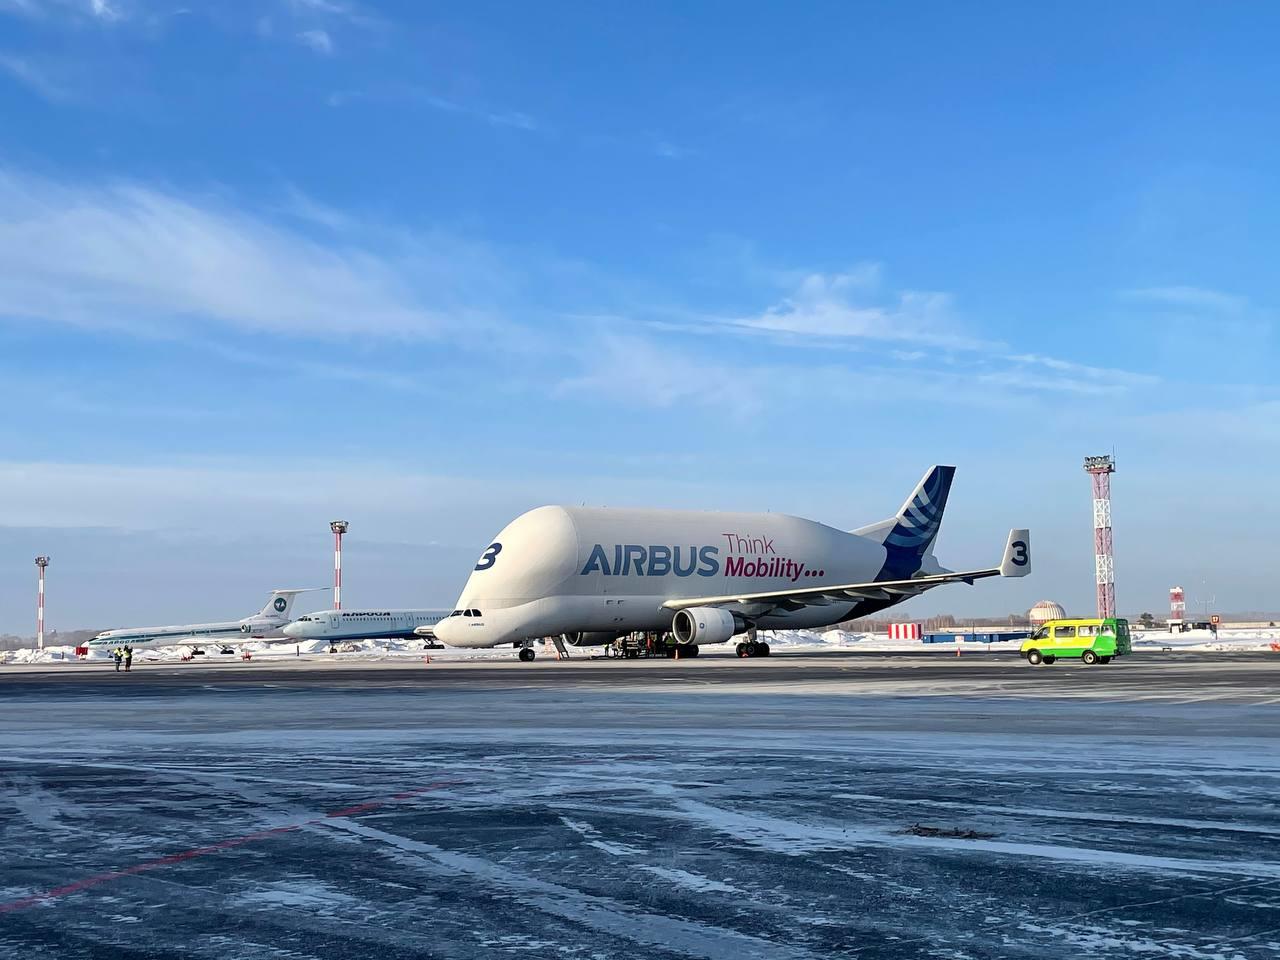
426 266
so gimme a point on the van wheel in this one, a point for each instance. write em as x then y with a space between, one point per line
1105 659
1034 658
1089 657
1050 658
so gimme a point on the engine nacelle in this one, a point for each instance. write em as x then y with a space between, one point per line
589 638
705 625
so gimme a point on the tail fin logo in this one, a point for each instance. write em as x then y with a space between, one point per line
280 604
921 516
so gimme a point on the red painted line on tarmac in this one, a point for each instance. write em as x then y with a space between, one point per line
147 865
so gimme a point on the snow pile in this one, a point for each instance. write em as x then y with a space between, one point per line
1204 641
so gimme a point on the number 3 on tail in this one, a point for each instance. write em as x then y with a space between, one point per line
490 557
1017 553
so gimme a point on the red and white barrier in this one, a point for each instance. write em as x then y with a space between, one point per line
905 631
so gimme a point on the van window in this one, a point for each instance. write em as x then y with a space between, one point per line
1107 629
1064 633
1040 633
1088 630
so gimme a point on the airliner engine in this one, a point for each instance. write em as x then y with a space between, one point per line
705 625
591 638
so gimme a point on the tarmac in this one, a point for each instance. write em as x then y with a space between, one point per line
788 807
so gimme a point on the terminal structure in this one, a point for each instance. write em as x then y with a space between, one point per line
1101 469
339 527
41 563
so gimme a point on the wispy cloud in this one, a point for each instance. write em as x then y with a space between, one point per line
317 40
104 11
351 13
671 151
34 77
849 306
126 256
665 376
1188 297
1053 373
405 93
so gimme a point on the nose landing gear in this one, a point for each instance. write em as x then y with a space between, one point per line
526 653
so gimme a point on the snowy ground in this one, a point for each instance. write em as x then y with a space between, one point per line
244 819
799 641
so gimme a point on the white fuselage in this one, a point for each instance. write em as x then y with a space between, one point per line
250 628
336 625
568 569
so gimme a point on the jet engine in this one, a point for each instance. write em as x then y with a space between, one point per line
589 638
705 625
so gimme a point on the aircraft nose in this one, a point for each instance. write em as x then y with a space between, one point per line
445 630
292 630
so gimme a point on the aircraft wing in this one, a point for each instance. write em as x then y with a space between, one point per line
1016 563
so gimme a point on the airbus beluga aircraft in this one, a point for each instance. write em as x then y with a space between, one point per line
594 574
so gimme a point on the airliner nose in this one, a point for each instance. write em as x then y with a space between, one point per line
292 630
446 631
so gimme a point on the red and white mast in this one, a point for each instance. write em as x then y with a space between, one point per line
1177 608
339 527
41 563
1101 468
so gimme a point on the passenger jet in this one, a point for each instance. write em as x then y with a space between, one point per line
595 574
266 624
335 625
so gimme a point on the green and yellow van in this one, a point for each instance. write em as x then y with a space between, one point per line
1093 641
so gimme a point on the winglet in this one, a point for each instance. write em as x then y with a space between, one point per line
1017 554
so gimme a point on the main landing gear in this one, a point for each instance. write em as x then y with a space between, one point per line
752 648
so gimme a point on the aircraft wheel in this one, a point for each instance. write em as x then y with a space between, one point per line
691 650
1089 657
526 654
762 649
741 650
1050 658
1034 657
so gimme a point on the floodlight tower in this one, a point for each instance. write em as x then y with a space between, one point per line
1101 469
339 527
41 563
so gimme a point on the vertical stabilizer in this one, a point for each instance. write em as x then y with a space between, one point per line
909 535
281 603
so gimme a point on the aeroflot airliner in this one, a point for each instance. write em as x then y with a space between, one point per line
594 574
334 625
265 624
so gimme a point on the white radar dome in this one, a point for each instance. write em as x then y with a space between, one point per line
1046 610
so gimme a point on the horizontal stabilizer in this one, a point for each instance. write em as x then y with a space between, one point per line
1017 554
